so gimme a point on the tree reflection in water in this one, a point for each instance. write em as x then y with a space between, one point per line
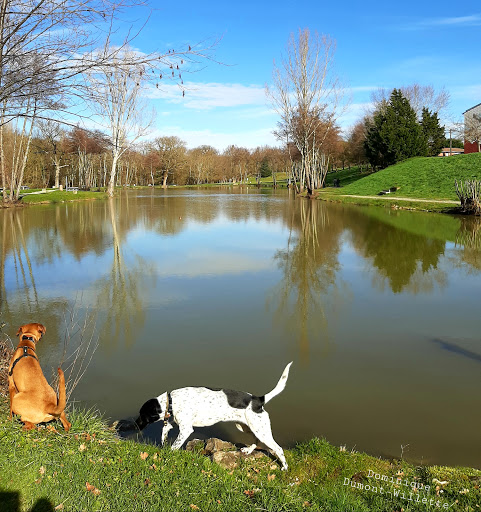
119 291
406 261
22 301
306 296
468 237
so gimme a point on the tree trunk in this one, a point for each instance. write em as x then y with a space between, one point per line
113 171
164 179
57 174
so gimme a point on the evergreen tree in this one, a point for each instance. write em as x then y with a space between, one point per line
264 169
433 133
394 134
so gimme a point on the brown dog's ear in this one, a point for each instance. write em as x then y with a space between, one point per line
20 330
41 329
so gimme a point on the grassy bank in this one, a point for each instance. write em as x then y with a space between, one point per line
391 201
425 178
90 469
58 196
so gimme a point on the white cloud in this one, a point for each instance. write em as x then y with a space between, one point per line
472 20
209 95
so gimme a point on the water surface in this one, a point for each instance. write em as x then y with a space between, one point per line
378 309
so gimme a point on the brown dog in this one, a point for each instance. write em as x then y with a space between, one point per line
31 397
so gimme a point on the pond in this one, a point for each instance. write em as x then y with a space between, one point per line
378 309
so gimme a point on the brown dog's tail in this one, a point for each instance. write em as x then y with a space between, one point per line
62 396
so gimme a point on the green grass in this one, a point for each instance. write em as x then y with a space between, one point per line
426 178
336 195
61 196
90 469
346 176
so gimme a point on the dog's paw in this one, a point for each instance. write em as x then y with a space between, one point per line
247 450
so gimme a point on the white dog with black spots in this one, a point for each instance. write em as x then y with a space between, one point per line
201 407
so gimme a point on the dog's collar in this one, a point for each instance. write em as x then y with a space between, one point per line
25 354
168 409
29 338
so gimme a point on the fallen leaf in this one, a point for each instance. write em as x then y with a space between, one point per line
306 504
82 448
143 455
147 482
92 489
59 507
249 494
42 470
194 507
270 477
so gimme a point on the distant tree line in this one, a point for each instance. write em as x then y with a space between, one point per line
76 157
81 158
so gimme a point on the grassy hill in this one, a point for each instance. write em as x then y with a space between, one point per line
421 177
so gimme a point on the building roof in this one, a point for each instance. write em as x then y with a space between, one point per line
471 108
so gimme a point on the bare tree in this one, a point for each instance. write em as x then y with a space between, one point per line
47 47
44 48
307 95
419 96
115 96
203 165
170 156
52 137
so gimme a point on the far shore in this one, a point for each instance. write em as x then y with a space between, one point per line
53 196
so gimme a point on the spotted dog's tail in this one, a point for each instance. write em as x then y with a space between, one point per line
280 385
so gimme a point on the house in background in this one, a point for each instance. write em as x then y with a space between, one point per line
451 151
472 129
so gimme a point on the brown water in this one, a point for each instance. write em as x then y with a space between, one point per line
378 309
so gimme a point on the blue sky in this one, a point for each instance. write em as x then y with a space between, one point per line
378 45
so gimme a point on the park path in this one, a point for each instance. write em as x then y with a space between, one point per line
387 196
